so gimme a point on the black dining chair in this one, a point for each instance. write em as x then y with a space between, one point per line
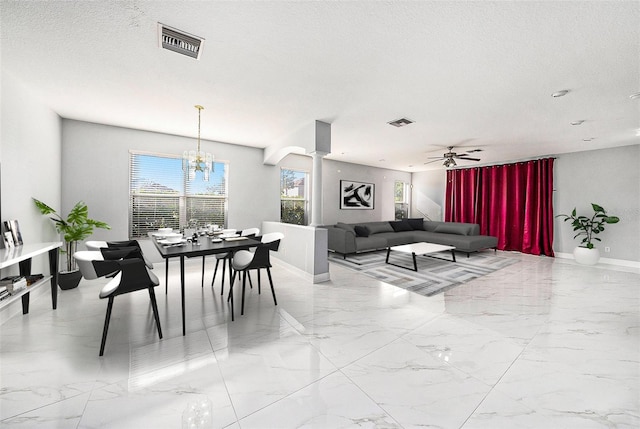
226 258
132 275
244 261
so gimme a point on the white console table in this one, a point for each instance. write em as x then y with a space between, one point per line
22 255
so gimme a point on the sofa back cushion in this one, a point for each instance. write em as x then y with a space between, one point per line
453 228
378 227
400 225
361 231
416 223
346 227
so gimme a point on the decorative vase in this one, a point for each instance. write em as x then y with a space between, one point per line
586 256
69 279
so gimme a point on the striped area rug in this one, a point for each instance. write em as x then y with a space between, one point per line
434 276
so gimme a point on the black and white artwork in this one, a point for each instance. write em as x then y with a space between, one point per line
356 195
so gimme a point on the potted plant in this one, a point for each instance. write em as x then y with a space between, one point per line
76 227
588 228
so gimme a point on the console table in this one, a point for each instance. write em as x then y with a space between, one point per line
22 255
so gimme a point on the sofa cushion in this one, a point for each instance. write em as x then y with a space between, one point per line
416 223
378 227
400 225
345 227
361 231
373 242
398 238
452 229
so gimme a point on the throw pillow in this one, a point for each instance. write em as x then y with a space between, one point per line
361 231
401 225
452 229
345 226
379 227
416 223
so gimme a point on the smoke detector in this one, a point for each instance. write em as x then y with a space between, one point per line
179 41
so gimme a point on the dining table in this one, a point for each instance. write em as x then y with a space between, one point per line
205 245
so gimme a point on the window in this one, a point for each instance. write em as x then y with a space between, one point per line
293 196
160 196
401 200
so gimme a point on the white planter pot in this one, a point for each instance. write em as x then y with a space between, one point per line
586 256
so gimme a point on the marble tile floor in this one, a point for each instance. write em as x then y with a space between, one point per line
543 343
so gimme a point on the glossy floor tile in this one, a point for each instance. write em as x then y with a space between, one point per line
542 343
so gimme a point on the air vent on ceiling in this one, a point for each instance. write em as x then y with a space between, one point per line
401 122
180 42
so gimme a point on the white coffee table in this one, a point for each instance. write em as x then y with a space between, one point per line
426 249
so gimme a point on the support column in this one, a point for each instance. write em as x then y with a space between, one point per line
316 193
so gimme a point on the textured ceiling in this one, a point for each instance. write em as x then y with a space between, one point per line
470 74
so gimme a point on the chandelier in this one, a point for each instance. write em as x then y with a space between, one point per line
196 160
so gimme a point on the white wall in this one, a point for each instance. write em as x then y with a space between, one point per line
610 178
30 162
384 180
334 171
96 170
427 194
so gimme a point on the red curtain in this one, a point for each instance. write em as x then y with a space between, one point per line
513 202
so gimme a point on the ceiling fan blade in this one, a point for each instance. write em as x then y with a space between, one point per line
466 158
435 160
435 157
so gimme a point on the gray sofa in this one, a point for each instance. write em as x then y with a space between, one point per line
351 238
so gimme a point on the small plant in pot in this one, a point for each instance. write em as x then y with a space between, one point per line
588 228
76 227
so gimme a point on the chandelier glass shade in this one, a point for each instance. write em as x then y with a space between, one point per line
197 160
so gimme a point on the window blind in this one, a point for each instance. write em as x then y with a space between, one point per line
160 196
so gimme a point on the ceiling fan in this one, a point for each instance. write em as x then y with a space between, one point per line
450 157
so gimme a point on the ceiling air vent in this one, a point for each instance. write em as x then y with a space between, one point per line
401 122
180 42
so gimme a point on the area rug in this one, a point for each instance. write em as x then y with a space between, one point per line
434 276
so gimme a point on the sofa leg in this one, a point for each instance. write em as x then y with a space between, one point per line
468 254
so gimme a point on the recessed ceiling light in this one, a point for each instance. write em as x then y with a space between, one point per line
561 93
381 160
635 96
580 122
588 139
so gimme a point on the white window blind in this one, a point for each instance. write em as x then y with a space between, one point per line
160 196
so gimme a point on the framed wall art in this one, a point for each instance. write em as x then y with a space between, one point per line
356 195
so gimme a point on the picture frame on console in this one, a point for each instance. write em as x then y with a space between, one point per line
357 195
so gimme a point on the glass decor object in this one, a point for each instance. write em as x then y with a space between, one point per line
197 160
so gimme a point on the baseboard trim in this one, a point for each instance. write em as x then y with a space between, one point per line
608 261
313 278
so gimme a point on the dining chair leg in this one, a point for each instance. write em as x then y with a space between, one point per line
203 256
273 292
106 325
244 284
215 271
250 282
154 306
258 281
166 276
233 278
222 283
230 297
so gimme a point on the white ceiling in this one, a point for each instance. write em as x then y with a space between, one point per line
470 74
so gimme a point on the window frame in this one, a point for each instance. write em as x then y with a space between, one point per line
305 199
404 201
184 196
